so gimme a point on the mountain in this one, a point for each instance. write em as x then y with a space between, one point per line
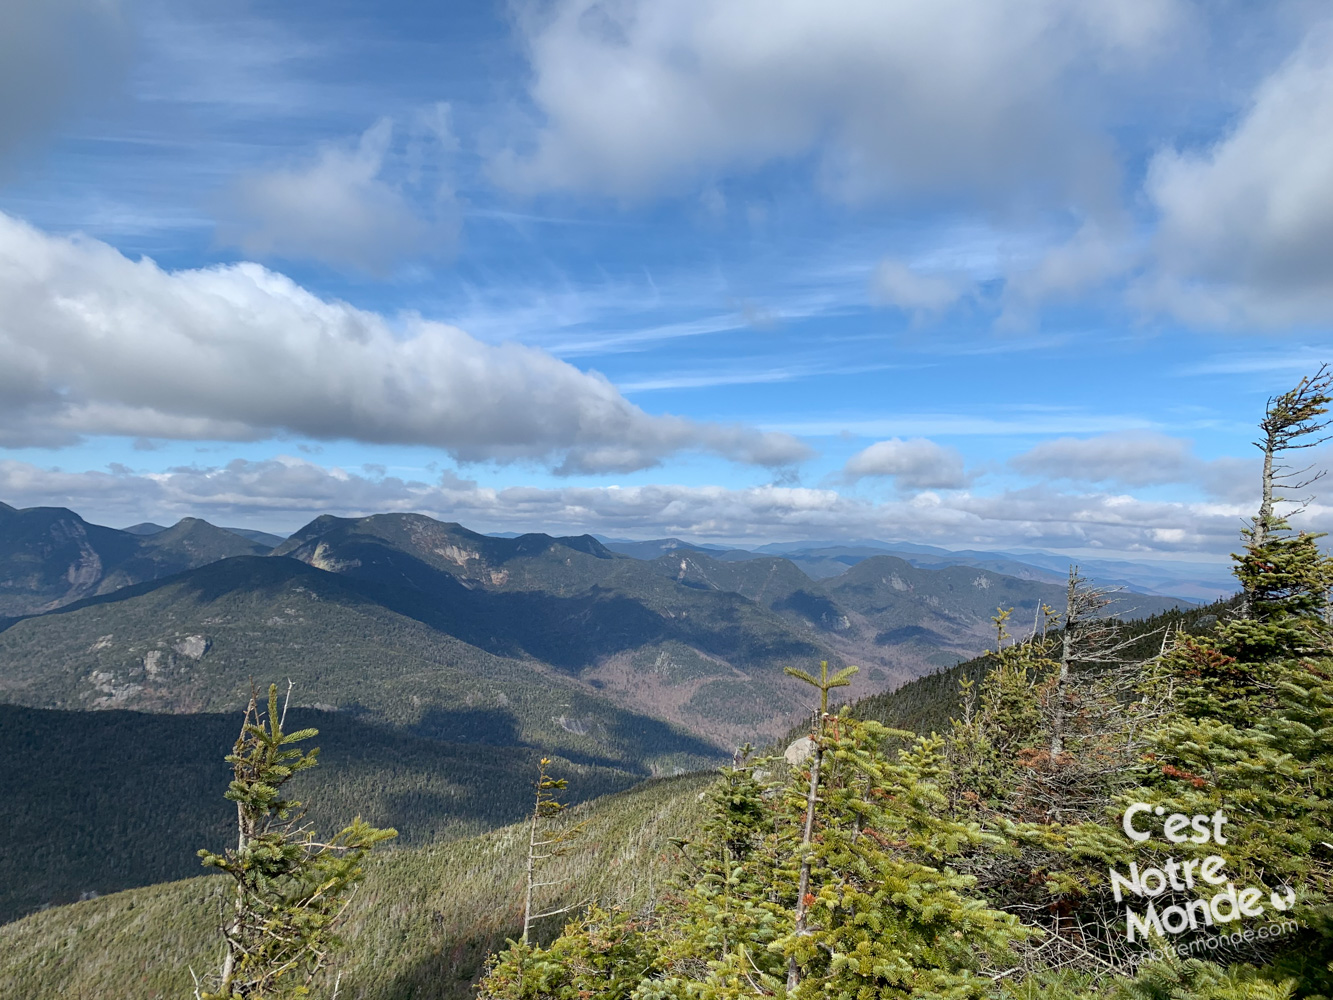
265 538
250 534
420 927
193 642
696 640
97 802
51 557
896 620
655 547
710 659
1192 582
145 528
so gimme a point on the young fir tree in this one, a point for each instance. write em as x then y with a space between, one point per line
824 683
290 888
724 913
524 969
887 914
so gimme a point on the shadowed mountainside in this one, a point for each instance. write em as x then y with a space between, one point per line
102 801
51 557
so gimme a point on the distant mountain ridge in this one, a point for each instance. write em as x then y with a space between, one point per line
531 639
1189 581
51 557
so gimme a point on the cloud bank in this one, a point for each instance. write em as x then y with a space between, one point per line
1246 226
94 343
286 492
1139 458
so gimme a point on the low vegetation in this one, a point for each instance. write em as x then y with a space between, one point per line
421 926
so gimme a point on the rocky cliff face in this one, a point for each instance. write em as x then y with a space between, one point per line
51 557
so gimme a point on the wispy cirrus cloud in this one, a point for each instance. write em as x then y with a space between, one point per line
51 53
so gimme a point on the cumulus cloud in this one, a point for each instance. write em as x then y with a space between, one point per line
94 343
342 209
917 463
286 492
1134 458
51 51
1138 458
977 96
1246 232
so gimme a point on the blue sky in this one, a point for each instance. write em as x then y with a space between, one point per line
980 273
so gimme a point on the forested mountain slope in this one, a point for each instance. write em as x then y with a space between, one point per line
96 802
930 703
689 639
50 556
709 659
420 927
192 644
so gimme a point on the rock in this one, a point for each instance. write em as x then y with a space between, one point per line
799 751
193 646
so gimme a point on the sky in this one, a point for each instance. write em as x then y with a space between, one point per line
974 273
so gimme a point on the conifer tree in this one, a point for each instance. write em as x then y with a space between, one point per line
1291 422
823 684
545 807
290 887
726 914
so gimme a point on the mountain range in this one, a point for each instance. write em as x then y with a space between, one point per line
536 640
1190 582
437 662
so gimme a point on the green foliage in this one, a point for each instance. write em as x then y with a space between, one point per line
420 926
290 887
883 914
193 642
1198 980
601 953
1287 582
136 794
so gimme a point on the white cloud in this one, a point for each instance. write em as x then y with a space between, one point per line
1134 458
94 343
342 209
985 97
51 51
1139 458
285 493
1246 232
897 284
914 464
